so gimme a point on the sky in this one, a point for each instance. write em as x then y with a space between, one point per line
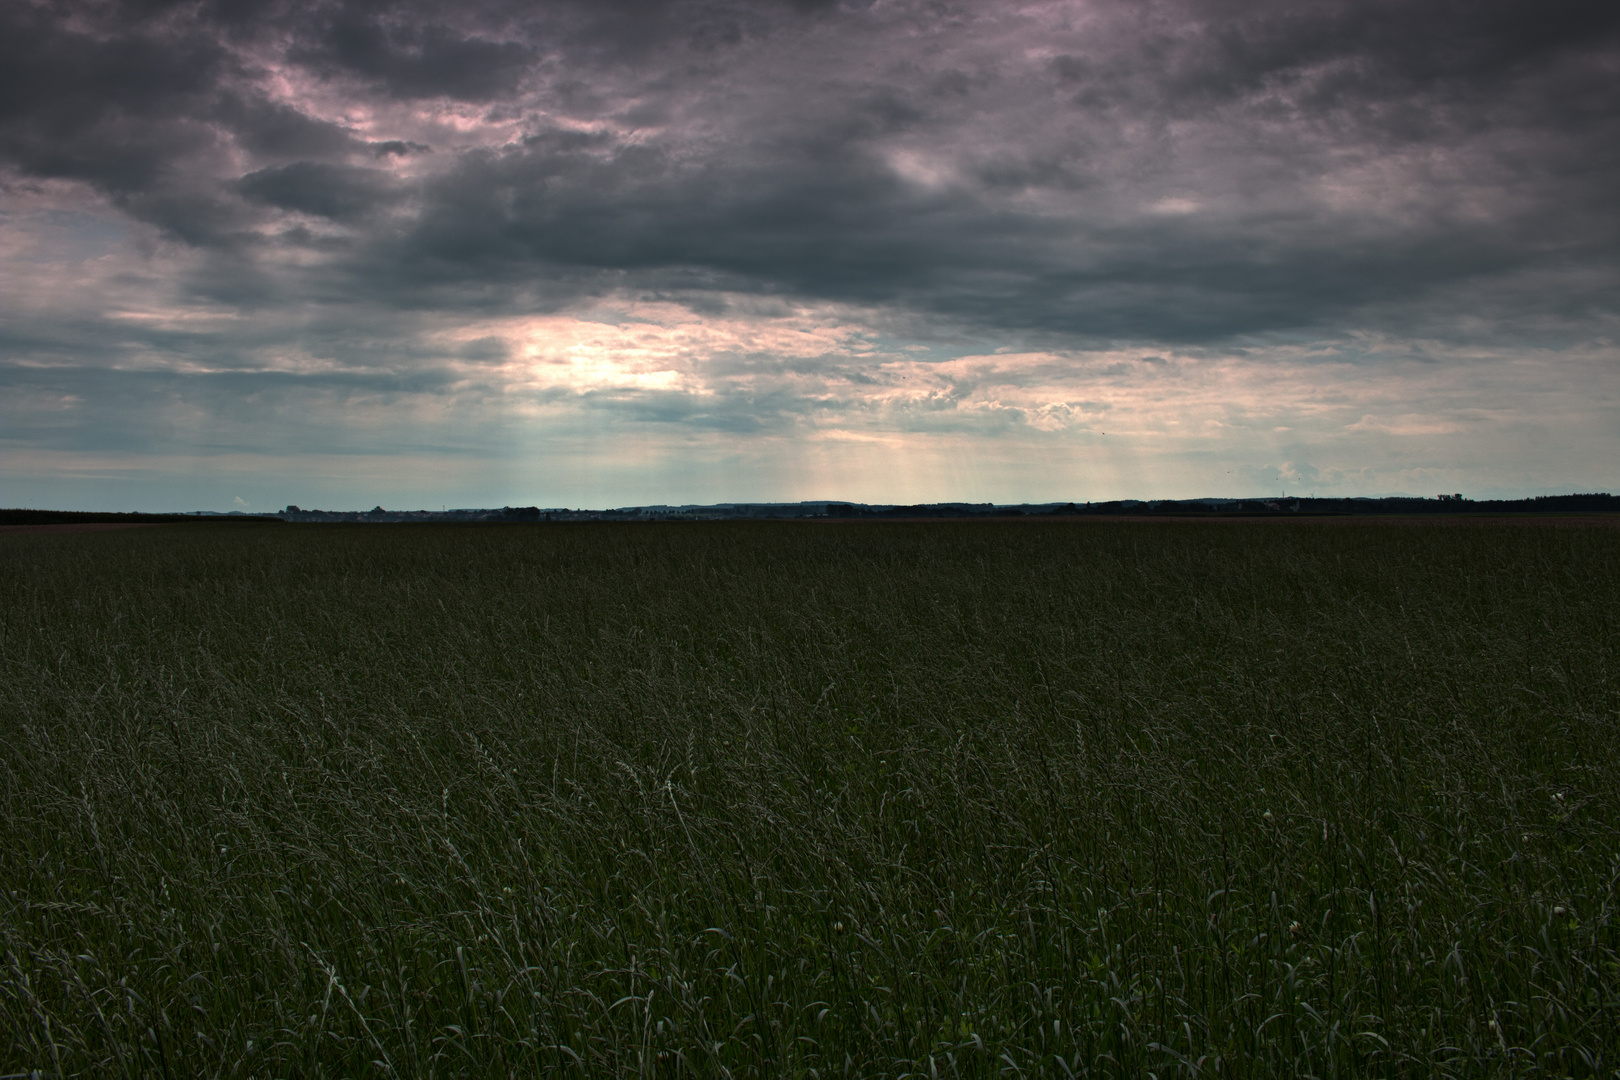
620 252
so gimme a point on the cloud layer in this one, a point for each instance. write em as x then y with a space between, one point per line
638 251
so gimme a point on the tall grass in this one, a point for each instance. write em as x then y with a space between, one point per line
795 800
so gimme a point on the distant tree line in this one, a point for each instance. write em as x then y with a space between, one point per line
90 517
1594 503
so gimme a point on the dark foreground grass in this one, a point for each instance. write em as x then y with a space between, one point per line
800 800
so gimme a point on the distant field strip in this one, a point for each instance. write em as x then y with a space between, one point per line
757 800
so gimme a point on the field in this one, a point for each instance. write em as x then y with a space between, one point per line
976 799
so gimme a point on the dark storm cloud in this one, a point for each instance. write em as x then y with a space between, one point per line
415 61
1162 171
338 192
117 109
272 131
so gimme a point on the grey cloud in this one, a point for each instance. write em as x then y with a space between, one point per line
116 110
398 148
1171 171
411 60
847 230
1397 66
338 192
272 131
97 410
806 203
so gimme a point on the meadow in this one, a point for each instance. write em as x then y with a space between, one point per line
811 799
